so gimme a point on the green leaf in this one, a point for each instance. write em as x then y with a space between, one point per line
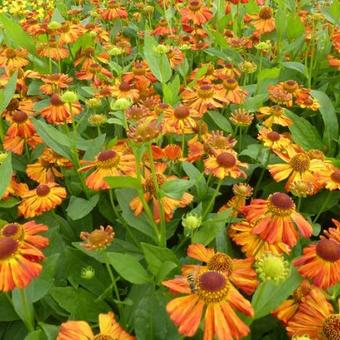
128 267
81 304
24 310
171 90
5 174
331 132
79 207
7 312
332 13
295 27
219 120
198 178
35 335
51 331
296 66
17 35
252 104
41 286
7 93
304 133
53 138
270 295
124 197
156 257
158 63
176 188
123 182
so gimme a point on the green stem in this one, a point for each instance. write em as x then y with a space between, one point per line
158 196
113 280
323 206
212 201
262 173
28 316
299 203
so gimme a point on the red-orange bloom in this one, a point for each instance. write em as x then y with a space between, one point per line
196 13
109 328
320 261
12 59
275 219
210 295
108 163
274 115
315 318
98 238
264 21
240 272
43 198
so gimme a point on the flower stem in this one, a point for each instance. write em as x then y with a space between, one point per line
262 173
212 201
156 185
113 280
28 315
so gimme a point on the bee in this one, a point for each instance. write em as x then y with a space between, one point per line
192 282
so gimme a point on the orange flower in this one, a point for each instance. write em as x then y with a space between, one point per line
274 115
43 198
216 142
19 263
23 104
299 166
95 72
181 120
195 13
171 152
240 272
209 295
275 219
15 189
70 32
333 233
290 307
140 75
26 234
52 49
225 164
169 204
124 89
331 178
88 56
113 11
233 93
320 262
98 238
11 59
315 318
54 83
176 57
108 163
252 244
273 140
264 21
206 97
109 328
59 112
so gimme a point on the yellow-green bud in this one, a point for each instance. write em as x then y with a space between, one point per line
191 221
54 25
264 46
115 50
69 97
161 49
87 273
149 9
97 119
93 103
120 104
270 267
3 156
248 67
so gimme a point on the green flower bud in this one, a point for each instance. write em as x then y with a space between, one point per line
115 50
3 156
69 97
87 273
161 49
191 221
54 25
272 267
120 104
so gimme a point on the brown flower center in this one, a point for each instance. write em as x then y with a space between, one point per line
277 110
266 13
273 136
10 53
290 85
230 84
221 262
13 105
181 112
328 250
138 69
124 86
194 5
335 176
19 116
205 91
281 200
108 159
103 337
301 291
226 159
8 246
42 190
99 238
331 327
55 100
300 162
212 286
12 230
